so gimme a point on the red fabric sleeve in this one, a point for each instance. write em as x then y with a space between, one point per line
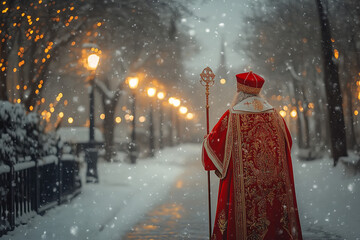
289 160
214 145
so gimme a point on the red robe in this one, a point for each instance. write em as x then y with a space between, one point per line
250 152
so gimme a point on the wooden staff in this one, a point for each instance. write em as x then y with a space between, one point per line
207 80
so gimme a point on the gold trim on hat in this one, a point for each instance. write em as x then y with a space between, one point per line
247 89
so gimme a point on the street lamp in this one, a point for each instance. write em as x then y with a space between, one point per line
91 152
171 102
176 103
133 83
190 116
151 93
161 96
182 110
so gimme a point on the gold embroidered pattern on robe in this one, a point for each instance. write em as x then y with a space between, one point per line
224 124
260 174
258 105
222 222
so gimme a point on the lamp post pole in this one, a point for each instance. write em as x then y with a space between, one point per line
176 103
151 131
91 151
133 132
171 136
178 134
160 97
182 110
92 112
133 83
151 93
161 145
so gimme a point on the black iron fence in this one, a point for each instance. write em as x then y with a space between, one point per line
32 187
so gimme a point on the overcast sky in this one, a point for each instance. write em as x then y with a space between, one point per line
218 18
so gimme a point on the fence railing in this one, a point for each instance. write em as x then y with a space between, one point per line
32 187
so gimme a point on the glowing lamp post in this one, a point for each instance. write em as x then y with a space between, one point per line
176 104
133 84
183 110
190 116
151 93
93 61
161 96
91 153
171 102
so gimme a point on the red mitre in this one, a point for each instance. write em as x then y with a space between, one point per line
249 82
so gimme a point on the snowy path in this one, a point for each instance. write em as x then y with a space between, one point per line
166 196
109 209
184 213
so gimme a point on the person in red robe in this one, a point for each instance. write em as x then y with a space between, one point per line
249 149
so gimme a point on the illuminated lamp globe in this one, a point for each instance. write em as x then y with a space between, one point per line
151 92
93 61
160 95
183 110
293 113
176 102
189 116
171 100
133 82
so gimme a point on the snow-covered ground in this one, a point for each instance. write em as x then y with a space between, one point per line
108 210
328 200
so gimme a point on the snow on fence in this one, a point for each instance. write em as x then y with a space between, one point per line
32 187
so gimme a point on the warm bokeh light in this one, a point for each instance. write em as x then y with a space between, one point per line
151 92
311 105
161 95
356 112
189 116
70 120
223 81
176 102
171 100
133 82
285 108
282 113
336 53
293 113
183 110
102 116
93 61
61 115
118 119
142 119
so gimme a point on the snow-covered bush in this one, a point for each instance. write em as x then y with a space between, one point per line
22 134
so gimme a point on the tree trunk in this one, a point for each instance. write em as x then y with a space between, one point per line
333 92
351 129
